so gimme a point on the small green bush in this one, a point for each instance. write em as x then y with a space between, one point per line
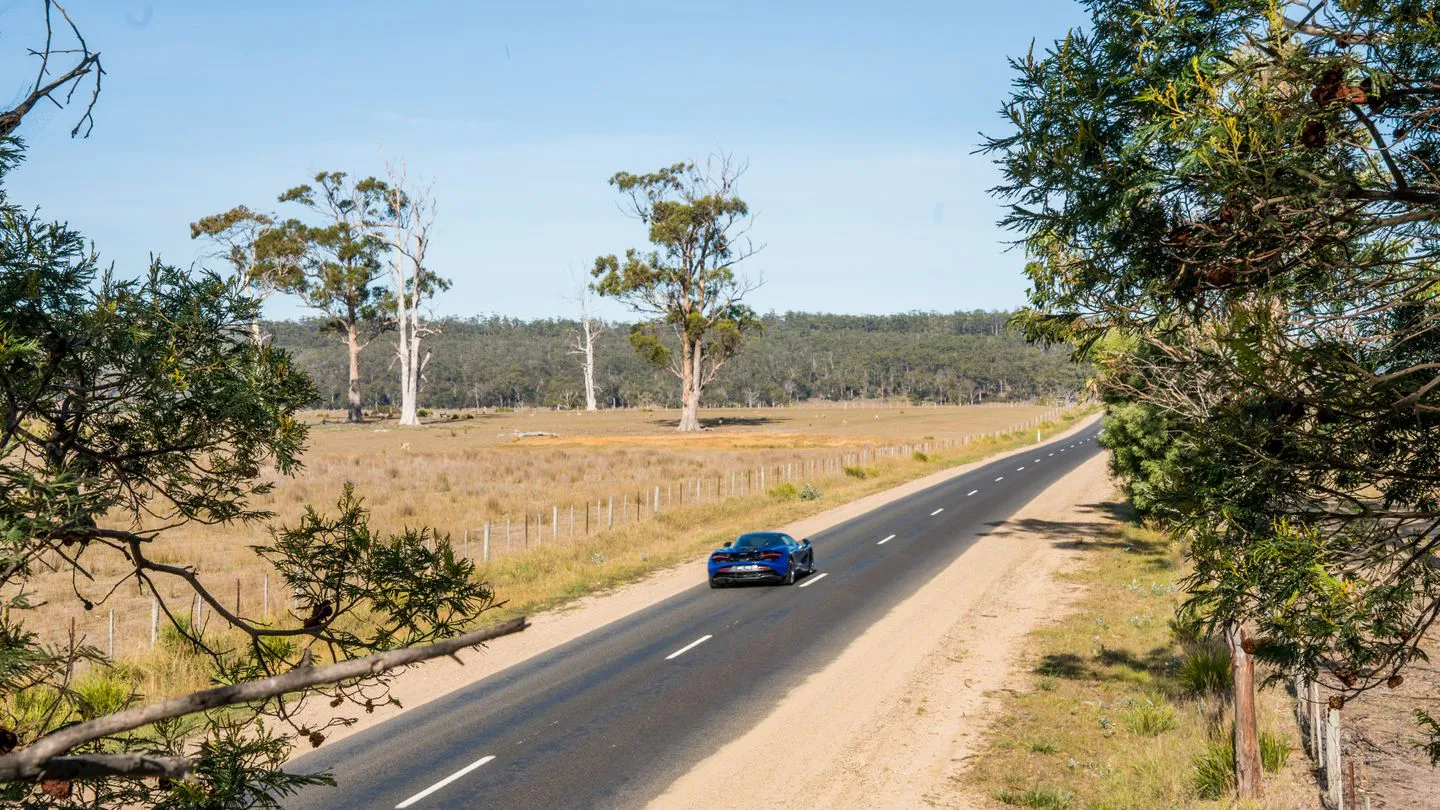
1047 683
1149 719
422 412
1274 751
809 493
100 693
1043 747
1206 669
1215 770
920 456
1036 799
861 472
784 492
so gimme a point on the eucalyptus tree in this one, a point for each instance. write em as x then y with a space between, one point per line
686 285
264 258
342 263
1247 190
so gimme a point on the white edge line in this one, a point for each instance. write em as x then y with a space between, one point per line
443 782
886 540
812 580
937 511
688 647
971 492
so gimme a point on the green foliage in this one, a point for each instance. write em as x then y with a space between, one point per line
1232 212
784 492
861 472
1206 669
146 402
920 456
809 493
1214 774
1274 751
99 693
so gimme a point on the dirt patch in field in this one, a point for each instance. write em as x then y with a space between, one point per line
917 686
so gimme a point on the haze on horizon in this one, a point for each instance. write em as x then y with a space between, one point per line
859 122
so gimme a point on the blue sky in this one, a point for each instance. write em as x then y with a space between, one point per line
858 120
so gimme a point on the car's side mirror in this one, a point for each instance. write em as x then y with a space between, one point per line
805 542
727 544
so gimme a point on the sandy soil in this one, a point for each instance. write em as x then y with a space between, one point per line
1380 735
553 628
918 685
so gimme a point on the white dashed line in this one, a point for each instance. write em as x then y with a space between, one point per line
1036 461
811 580
937 511
971 492
886 540
1001 478
688 647
443 782
1052 454
1019 469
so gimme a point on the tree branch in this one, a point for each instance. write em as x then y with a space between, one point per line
33 761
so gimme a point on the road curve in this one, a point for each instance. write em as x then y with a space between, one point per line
613 717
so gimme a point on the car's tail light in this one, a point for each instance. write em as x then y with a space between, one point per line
771 555
720 558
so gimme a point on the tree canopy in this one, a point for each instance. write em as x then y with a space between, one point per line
1242 197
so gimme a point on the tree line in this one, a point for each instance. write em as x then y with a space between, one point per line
954 358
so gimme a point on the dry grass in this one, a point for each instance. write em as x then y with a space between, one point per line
457 475
1105 720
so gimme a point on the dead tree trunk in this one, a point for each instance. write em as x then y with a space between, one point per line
412 213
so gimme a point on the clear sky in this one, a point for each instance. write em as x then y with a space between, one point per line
858 120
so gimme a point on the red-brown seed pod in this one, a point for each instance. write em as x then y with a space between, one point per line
1337 702
316 738
1395 681
56 788
8 741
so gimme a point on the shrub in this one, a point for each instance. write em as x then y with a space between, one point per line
919 456
1215 770
861 472
1274 751
422 412
784 492
1036 798
1047 683
1149 718
809 493
1206 669
1043 747
100 693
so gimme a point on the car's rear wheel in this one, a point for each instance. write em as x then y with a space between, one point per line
715 584
789 575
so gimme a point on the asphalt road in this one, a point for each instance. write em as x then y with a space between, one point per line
613 717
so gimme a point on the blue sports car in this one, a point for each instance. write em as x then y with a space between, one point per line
761 557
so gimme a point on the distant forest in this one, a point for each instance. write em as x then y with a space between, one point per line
962 357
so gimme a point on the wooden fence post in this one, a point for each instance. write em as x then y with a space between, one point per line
610 514
110 649
265 596
466 551
555 522
1333 781
154 619
485 543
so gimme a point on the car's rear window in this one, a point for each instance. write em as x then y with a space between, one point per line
759 540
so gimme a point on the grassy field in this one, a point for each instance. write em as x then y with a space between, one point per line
466 469
1123 710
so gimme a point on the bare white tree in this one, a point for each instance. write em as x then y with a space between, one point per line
412 218
590 330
